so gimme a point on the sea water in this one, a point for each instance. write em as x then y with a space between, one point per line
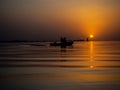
93 65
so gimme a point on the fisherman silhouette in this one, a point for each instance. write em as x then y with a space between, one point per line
87 39
63 42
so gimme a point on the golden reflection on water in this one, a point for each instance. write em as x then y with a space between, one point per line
91 66
91 53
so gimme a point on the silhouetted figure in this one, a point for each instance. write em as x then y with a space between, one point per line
63 42
87 39
61 39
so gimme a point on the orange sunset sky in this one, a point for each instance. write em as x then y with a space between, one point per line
51 19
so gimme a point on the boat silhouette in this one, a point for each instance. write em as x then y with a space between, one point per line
63 43
68 43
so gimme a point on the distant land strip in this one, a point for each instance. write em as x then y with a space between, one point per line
56 66
10 60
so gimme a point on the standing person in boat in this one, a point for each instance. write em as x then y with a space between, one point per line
61 39
63 42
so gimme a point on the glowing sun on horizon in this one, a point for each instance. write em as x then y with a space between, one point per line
91 36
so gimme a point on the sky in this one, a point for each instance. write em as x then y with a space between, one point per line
52 19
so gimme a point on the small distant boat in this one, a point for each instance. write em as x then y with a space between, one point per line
68 43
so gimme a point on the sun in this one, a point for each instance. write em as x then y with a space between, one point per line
91 36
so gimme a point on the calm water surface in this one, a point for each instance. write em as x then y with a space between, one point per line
37 66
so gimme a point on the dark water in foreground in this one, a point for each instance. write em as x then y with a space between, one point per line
37 66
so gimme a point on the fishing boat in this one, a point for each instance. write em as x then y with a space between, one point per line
67 43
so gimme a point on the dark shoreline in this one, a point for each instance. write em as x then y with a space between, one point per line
23 41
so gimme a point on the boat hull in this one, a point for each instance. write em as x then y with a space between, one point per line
62 44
